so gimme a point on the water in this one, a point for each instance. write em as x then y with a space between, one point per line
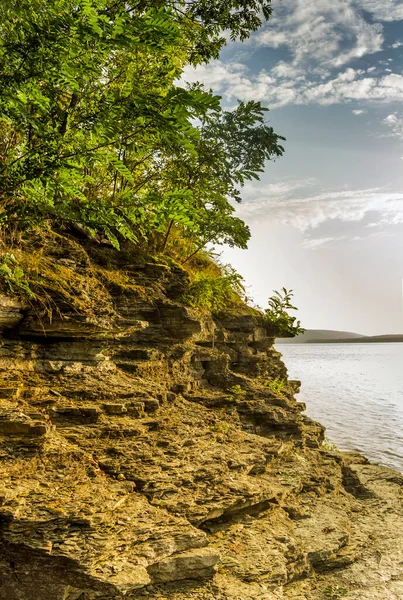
356 391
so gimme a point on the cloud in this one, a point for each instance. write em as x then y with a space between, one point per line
274 39
275 89
315 243
328 33
321 38
284 70
395 124
307 212
391 119
397 44
383 10
359 112
388 88
253 192
233 81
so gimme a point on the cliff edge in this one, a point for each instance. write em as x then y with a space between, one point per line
151 450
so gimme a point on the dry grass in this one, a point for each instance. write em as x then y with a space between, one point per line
113 278
71 276
63 278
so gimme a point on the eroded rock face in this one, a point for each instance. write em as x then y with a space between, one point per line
11 312
156 460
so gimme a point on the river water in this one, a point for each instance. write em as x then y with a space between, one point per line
356 391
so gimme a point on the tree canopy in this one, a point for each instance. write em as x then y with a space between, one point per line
96 132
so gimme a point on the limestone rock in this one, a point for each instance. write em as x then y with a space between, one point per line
11 312
150 457
195 564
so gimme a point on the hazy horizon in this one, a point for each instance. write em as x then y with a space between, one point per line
354 333
327 218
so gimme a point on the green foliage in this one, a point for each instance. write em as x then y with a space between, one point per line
237 391
242 141
334 592
238 18
330 446
277 385
277 313
222 427
232 148
215 293
95 132
13 277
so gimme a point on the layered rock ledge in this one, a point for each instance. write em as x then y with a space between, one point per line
157 459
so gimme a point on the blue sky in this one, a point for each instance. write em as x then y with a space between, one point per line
327 218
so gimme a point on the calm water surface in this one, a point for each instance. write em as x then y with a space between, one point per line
356 391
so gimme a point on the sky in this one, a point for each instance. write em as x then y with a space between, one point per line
326 218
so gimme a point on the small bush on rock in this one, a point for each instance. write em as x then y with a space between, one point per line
13 278
277 314
215 293
277 385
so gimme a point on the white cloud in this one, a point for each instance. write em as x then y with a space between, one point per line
397 45
359 112
395 124
391 119
217 74
388 88
308 212
330 33
322 37
284 70
233 81
383 10
274 39
253 192
315 243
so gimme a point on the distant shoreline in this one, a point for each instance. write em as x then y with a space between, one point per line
393 339
329 336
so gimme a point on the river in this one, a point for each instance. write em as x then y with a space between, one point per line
356 391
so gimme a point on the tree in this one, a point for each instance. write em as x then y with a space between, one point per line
203 22
211 18
232 148
95 132
81 86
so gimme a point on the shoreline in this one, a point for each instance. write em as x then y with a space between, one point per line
357 393
164 461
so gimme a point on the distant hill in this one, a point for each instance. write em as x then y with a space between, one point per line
319 336
367 339
328 336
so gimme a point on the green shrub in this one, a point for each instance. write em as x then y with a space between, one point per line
237 391
335 592
277 385
330 446
215 293
277 314
13 277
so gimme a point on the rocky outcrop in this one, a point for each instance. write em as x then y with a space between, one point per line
11 312
154 457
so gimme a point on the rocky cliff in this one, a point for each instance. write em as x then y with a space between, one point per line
157 456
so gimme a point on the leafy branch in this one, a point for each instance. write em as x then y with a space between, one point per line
277 314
